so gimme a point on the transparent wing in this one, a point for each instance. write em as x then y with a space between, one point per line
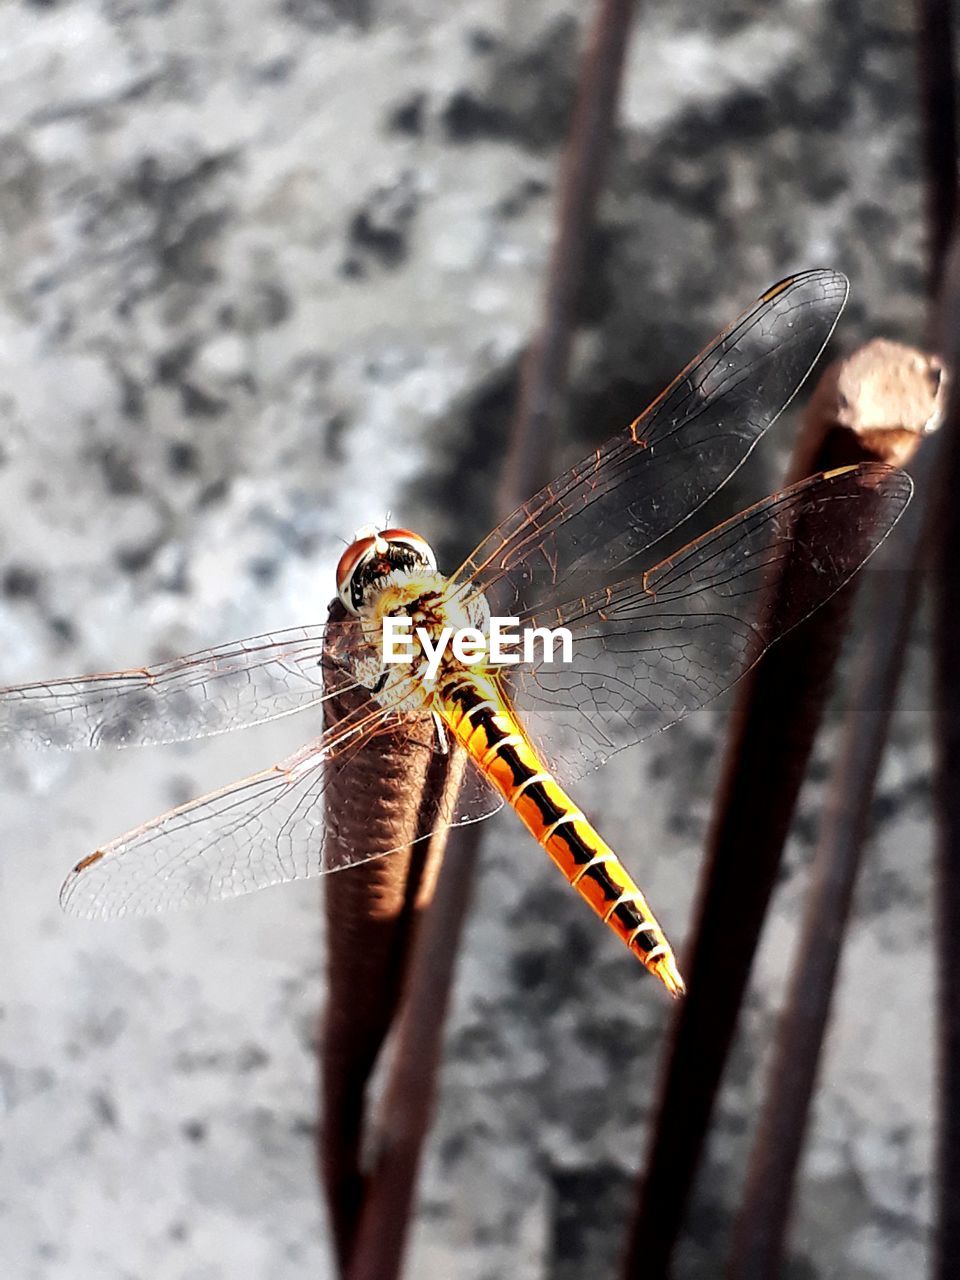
267 829
238 684
651 649
643 482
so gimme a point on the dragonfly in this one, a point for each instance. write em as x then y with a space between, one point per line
656 634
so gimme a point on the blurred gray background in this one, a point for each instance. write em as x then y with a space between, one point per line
267 268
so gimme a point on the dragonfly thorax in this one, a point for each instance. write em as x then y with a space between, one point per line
434 606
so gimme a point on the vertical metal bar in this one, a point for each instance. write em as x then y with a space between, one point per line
775 723
947 794
408 1104
936 49
759 1234
543 377
386 796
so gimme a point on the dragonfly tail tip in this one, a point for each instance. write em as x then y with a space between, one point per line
669 975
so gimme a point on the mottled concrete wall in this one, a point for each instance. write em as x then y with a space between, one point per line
266 270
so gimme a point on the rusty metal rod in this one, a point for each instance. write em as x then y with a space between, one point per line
936 53
760 1229
763 1219
408 1103
946 652
384 797
775 723
543 376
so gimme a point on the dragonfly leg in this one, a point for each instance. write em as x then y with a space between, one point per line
443 744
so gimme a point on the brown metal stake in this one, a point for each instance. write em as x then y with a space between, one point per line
937 53
946 1264
905 390
936 50
408 1102
543 378
384 1221
384 797
775 722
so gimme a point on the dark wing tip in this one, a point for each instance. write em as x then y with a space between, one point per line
894 481
69 887
831 283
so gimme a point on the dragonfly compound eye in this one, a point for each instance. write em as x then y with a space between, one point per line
372 557
410 548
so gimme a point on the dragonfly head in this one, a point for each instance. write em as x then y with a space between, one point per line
373 556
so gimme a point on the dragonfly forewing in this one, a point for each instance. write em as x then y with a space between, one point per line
213 691
651 649
642 483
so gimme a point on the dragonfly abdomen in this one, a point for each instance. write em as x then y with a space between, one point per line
482 720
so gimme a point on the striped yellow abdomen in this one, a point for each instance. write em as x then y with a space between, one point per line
482 721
